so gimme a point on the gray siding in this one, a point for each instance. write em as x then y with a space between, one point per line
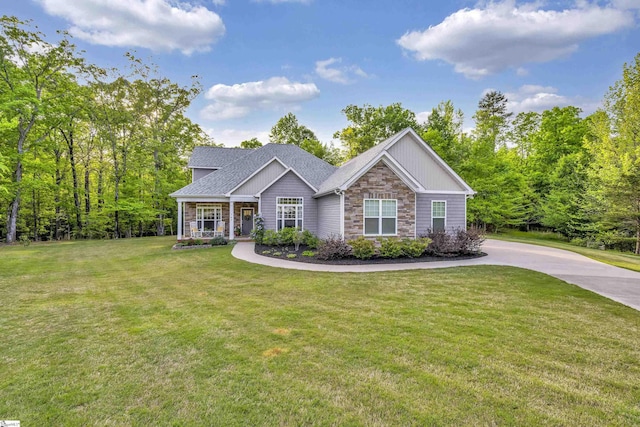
260 180
197 173
289 186
422 166
328 215
455 211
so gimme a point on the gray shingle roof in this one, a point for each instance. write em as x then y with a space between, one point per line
350 168
216 157
312 169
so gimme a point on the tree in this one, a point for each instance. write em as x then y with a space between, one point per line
370 125
288 131
251 143
492 120
30 70
615 155
444 133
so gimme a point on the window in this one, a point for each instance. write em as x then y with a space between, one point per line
380 217
438 215
207 216
289 212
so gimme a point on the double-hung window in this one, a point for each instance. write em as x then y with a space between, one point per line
380 217
438 215
289 212
207 216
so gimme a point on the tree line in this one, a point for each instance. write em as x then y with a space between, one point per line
88 152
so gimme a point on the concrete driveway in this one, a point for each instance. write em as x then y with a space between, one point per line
612 282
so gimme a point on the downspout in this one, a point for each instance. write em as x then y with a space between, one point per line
341 194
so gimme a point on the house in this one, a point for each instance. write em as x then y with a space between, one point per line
400 187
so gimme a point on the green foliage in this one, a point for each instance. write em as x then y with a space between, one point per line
390 247
277 253
270 238
333 247
288 131
251 143
218 241
310 240
291 256
287 235
362 248
257 233
308 253
370 125
414 248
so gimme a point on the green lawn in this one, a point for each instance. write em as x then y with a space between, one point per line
129 332
619 259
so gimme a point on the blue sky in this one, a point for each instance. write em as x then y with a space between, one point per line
259 59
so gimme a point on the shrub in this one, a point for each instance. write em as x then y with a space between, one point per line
462 242
270 238
415 248
258 232
218 241
277 253
442 243
362 248
189 242
291 256
286 236
25 240
333 247
308 253
198 242
469 241
298 237
310 240
390 248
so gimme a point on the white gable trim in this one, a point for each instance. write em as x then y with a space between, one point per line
437 158
286 171
386 158
257 171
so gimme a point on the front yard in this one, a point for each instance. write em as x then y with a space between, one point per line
129 332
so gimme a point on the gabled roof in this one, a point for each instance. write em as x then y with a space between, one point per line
230 176
357 166
216 157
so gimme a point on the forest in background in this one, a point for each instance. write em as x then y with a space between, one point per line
93 153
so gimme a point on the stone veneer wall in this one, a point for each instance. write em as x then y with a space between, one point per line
190 215
379 182
236 211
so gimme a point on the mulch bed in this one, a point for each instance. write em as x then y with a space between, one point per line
353 261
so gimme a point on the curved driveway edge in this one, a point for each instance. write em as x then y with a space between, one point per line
616 283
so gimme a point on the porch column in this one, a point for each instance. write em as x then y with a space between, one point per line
180 220
231 225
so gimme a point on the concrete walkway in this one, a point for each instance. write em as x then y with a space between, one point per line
612 282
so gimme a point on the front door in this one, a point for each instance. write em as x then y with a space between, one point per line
247 220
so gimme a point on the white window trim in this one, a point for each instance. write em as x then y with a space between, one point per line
364 217
445 213
200 220
278 205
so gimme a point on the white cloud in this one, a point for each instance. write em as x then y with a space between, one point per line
341 74
423 116
161 25
498 35
219 2
230 102
539 98
233 137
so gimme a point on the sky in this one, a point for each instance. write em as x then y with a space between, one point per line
257 60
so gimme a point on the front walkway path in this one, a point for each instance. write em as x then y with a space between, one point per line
612 282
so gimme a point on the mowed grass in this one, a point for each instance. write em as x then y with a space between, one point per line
129 332
626 260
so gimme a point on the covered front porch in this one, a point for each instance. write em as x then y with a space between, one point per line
207 218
